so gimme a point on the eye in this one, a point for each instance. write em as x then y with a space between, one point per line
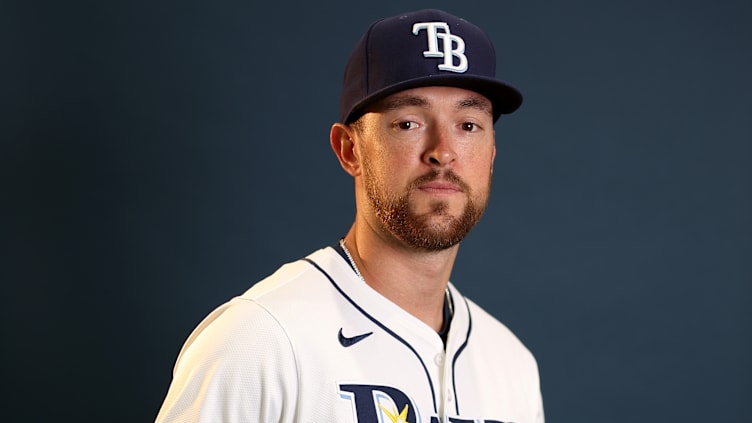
406 125
469 126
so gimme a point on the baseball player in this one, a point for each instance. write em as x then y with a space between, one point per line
370 329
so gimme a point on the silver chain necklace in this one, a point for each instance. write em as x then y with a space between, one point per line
349 257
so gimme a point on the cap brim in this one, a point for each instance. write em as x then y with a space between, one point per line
504 97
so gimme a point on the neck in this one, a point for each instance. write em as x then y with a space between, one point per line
413 279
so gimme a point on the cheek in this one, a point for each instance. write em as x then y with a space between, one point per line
381 170
480 171
480 160
392 162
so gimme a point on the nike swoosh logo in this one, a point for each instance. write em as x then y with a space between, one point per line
350 341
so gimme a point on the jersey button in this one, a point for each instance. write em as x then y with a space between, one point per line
439 359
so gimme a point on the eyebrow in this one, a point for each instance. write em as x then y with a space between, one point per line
396 102
475 103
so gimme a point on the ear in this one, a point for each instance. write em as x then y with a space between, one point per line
341 140
493 154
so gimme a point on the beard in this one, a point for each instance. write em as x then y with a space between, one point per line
432 231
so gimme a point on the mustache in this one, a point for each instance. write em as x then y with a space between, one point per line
444 175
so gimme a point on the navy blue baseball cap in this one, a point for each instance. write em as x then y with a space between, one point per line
428 47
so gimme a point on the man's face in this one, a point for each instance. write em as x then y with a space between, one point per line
427 156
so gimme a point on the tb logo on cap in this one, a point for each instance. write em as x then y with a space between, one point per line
448 41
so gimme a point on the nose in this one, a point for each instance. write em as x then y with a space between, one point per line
439 150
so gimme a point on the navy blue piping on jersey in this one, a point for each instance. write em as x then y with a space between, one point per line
381 325
457 355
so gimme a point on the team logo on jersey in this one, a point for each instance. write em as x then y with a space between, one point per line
384 404
379 404
442 43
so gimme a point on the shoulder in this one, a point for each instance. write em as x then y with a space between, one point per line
237 361
240 358
235 344
265 311
294 279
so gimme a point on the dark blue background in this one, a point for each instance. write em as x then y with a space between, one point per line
158 158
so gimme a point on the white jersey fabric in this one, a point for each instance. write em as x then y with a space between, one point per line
312 343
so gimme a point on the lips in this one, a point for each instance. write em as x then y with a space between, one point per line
440 187
437 182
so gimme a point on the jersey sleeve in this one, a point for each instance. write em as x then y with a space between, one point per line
237 366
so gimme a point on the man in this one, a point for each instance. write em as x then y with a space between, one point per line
370 329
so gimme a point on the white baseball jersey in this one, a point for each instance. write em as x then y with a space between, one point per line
313 343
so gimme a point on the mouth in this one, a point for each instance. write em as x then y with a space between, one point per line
437 183
440 187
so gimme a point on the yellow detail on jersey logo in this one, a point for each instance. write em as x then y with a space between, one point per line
401 418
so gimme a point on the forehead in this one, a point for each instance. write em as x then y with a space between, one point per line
429 97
